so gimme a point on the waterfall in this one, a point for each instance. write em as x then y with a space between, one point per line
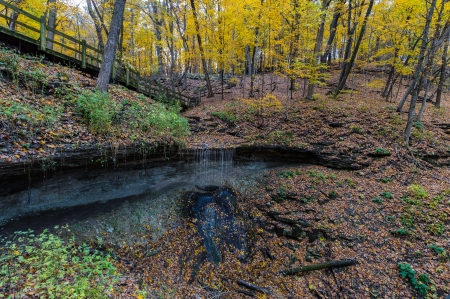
213 165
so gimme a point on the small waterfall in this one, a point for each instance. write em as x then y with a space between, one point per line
213 165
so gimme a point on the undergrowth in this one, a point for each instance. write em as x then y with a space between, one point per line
46 266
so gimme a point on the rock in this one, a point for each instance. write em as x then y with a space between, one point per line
447 132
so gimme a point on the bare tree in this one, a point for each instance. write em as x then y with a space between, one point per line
97 25
111 46
51 23
202 51
348 62
415 84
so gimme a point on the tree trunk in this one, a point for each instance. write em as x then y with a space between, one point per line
318 45
326 57
348 65
202 52
111 46
98 28
418 73
442 76
424 103
14 17
158 23
252 75
51 24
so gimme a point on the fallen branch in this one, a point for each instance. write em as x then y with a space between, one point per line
326 265
253 287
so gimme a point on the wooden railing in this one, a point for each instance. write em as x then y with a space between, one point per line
33 29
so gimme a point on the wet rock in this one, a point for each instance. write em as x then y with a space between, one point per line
220 223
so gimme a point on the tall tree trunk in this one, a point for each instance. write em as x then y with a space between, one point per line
158 23
418 73
318 45
424 103
111 46
202 52
98 28
253 72
326 57
442 76
51 24
348 65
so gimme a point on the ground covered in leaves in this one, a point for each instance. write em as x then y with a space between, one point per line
392 220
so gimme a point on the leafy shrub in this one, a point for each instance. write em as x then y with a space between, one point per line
97 108
417 192
228 116
51 268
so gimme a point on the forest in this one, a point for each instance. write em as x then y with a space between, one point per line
224 149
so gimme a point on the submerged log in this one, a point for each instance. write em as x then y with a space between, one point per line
326 265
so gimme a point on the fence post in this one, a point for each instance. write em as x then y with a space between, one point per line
128 76
83 54
43 44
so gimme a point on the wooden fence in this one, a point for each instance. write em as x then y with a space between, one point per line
32 29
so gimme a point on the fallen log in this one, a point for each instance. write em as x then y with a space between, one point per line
253 287
326 265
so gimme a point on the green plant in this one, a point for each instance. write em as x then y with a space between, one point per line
97 108
376 199
333 195
351 183
385 180
386 194
47 163
35 78
417 192
436 228
418 125
316 175
401 232
357 130
421 283
227 116
381 151
407 220
54 268
436 248
280 137
286 174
